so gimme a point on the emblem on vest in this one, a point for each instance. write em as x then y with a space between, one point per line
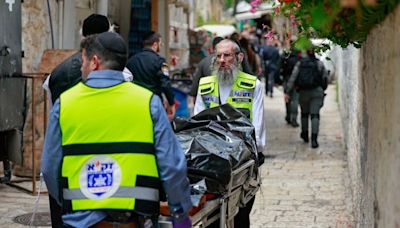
210 98
100 177
242 93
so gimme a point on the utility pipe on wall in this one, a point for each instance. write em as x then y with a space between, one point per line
102 7
60 23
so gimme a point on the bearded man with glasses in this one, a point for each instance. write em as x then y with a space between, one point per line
229 84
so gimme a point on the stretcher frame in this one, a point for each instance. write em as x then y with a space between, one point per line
224 207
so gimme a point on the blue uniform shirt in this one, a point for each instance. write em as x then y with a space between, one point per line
171 160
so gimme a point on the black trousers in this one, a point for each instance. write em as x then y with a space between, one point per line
55 213
242 219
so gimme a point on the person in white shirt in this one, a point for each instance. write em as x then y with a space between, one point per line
230 65
228 84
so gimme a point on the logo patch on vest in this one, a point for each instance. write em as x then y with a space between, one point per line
210 98
242 93
100 177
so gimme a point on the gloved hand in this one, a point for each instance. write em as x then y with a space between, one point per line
185 223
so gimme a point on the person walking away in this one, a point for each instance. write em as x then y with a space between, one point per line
204 68
310 78
68 73
271 58
151 70
291 101
109 147
252 56
242 91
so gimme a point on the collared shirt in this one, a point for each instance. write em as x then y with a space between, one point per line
257 110
171 160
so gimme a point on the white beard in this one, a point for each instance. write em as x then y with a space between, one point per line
228 76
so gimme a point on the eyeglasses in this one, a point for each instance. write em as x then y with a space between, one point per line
225 55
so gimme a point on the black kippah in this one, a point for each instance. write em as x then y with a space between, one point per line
113 42
95 24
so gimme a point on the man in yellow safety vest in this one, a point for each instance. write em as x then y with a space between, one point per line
109 147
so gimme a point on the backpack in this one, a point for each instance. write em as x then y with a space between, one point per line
309 76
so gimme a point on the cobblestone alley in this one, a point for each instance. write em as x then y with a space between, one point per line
303 187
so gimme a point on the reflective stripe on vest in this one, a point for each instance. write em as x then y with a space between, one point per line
108 149
240 97
142 193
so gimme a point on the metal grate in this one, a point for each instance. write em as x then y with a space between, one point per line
41 219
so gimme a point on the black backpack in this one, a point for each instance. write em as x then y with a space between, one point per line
309 76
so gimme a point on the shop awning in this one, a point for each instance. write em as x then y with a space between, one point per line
218 30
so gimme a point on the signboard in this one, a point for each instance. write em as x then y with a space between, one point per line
12 89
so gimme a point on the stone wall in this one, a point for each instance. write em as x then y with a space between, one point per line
369 85
381 77
350 104
36 32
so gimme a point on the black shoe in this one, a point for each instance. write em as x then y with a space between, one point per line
304 136
314 143
294 123
7 172
287 119
6 179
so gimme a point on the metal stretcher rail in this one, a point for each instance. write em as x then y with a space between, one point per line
221 208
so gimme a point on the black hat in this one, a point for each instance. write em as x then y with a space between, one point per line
95 24
113 42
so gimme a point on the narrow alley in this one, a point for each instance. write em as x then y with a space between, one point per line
303 187
204 51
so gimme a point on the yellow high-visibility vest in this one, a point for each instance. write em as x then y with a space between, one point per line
109 158
240 97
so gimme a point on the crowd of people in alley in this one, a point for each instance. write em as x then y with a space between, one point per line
110 149
302 75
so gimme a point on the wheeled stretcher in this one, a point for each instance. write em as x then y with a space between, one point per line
224 207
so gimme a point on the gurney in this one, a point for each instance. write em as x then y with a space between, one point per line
222 161
224 207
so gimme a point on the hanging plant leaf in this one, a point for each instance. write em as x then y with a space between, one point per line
303 43
344 26
320 20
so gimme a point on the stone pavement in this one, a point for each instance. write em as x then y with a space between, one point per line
14 202
303 187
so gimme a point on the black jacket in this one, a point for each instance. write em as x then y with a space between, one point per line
147 70
65 75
